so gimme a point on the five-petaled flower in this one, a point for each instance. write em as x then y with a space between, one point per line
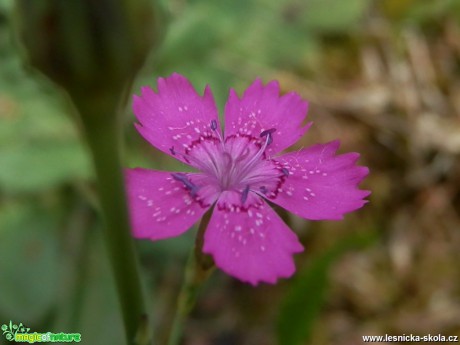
237 172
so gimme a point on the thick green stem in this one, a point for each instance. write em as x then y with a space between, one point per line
101 128
198 268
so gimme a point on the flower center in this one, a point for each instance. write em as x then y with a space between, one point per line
238 163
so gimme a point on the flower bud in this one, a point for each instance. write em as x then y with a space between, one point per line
89 47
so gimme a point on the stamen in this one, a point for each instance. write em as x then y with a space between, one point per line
259 153
268 132
190 159
285 172
244 155
244 195
214 128
187 183
227 160
263 189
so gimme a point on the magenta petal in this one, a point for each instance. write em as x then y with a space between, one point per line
321 185
162 207
252 244
175 116
261 108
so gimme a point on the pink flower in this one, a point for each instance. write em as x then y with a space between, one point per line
237 172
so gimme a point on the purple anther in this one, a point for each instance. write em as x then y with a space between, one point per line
263 189
187 183
244 195
173 152
213 125
285 172
268 132
179 176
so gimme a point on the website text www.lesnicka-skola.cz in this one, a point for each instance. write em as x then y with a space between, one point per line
428 338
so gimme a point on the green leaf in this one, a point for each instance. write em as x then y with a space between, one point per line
305 299
5 5
242 39
29 262
100 316
426 10
418 11
32 168
39 145
334 16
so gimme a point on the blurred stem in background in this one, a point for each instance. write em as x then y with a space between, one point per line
199 267
93 49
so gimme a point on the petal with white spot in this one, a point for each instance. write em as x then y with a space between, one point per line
250 242
262 108
175 116
321 184
161 206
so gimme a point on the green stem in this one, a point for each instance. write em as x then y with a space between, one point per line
102 130
199 266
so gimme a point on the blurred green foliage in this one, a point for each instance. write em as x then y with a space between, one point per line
227 44
39 146
420 11
29 258
305 297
